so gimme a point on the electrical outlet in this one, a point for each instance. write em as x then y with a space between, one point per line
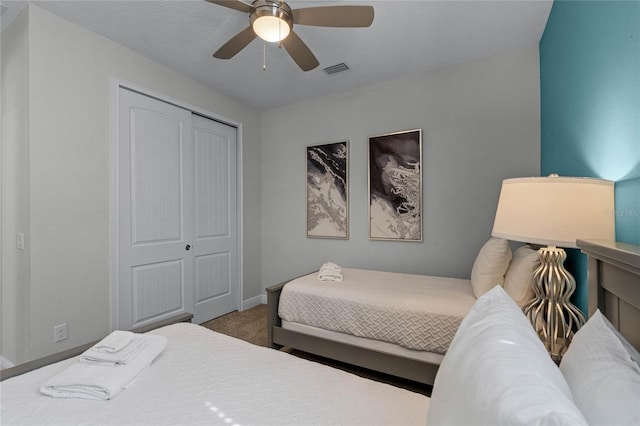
60 332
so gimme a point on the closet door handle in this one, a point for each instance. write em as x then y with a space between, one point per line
188 247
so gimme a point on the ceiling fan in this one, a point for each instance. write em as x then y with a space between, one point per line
273 20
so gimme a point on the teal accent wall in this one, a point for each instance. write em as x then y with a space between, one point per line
590 107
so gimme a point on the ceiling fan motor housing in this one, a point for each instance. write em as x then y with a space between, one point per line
271 9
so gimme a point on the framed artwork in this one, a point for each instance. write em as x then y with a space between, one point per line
395 186
328 190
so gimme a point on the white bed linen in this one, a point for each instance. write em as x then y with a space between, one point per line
204 377
418 312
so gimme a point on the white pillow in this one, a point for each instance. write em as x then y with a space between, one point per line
518 281
497 372
604 378
490 265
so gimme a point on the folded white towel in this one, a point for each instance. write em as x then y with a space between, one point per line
91 356
91 381
330 266
114 342
330 276
330 272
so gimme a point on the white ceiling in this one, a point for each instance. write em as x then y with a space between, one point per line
406 37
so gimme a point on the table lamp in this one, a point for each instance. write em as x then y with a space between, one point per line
554 211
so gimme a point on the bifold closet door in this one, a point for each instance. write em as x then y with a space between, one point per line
215 248
170 258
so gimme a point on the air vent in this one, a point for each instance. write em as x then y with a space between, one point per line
334 69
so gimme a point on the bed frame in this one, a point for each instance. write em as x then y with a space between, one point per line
59 356
614 284
395 365
614 288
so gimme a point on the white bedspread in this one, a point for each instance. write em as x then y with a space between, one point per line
204 377
414 311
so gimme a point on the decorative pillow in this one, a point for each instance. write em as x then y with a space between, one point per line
497 372
604 378
518 281
490 265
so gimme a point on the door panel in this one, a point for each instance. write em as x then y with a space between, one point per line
157 290
155 200
215 243
212 276
212 183
156 177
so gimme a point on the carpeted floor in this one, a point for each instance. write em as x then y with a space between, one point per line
251 325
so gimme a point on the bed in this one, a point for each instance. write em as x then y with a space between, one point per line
204 377
394 323
365 321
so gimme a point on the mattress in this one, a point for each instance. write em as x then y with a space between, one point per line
204 377
417 312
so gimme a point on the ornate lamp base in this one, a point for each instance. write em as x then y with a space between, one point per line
553 316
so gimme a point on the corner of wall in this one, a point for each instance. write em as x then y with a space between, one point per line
14 188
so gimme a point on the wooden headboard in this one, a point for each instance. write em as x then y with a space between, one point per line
614 284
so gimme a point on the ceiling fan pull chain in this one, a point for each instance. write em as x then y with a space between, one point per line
264 56
280 31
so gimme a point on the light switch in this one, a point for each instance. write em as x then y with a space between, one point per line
20 240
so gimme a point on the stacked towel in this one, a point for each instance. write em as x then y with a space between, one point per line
103 380
114 342
330 272
97 356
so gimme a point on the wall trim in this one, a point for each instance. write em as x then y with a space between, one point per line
254 301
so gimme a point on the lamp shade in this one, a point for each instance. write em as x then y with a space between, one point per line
555 210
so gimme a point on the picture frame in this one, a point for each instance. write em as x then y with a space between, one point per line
327 190
395 186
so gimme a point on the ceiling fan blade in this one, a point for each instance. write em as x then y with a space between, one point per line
299 52
236 44
233 4
334 16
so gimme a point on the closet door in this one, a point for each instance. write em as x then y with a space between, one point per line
177 215
155 210
215 241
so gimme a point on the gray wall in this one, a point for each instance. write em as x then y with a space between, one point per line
67 174
481 124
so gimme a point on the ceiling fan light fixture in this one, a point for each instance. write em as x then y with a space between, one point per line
271 20
271 28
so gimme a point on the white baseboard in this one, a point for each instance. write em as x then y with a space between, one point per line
254 301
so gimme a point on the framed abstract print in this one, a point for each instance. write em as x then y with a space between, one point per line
395 186
328 190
